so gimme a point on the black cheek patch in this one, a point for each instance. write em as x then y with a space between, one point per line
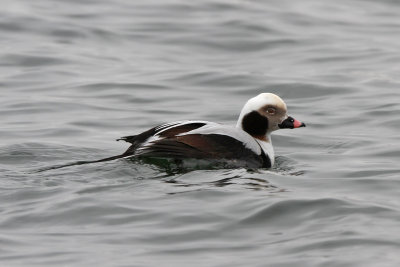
255 124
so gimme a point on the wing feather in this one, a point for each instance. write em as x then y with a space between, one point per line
195 139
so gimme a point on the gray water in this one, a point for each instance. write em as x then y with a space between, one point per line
76 75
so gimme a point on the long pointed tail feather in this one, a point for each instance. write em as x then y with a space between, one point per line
82 162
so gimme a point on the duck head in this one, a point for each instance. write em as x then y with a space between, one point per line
264 114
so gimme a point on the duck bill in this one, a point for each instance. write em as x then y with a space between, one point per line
291 123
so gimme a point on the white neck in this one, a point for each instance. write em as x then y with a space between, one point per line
267 148
266 145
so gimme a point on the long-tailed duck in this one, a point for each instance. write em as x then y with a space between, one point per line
248 144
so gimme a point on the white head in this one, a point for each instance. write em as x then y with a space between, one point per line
263 114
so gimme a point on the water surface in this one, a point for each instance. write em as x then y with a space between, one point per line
76 75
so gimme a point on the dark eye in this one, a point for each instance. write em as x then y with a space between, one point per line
271 111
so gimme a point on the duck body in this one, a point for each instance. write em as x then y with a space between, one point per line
248 144
201 140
